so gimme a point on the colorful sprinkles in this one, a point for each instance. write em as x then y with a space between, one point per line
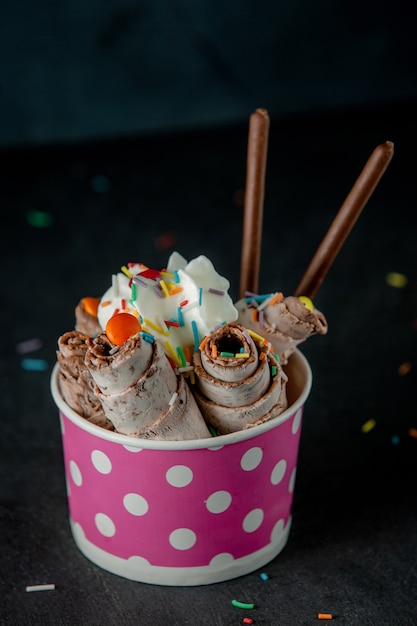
243 605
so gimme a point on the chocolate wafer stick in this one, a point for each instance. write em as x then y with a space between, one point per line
345 220
254 200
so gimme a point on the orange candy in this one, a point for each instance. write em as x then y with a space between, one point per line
91 305
122 326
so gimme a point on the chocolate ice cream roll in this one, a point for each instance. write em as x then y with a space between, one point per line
239 381
140 391
86 320
284 322
75 382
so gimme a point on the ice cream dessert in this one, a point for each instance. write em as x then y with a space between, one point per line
178 305
86 321
75 381
161 355
140 392
284 321
239 381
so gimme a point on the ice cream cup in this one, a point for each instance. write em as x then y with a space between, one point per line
181 513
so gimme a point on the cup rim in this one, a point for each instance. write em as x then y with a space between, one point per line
186 444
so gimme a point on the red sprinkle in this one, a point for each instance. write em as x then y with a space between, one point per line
184 302
247 620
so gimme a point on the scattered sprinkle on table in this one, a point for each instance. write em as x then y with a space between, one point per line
247 620
395 279
39 219
325 616
367 426
30 345
404 368
34 365
165 241
100 183
243 605
264 576
48 587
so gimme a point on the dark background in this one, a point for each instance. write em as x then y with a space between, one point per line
78 70
124 135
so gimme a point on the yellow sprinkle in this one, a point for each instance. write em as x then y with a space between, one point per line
192 377
404 368
256 336
126 271
369 425
307 302
164 287
172 353
395 279
242 355
158 329
167 274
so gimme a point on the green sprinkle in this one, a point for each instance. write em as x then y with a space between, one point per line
274 370
243 605
228 354
133 292
39 219
182 356
212 430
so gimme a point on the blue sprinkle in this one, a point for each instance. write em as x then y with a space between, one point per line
34 365
180 317
195 333
176 277
395 440
147 336
100 183
264 576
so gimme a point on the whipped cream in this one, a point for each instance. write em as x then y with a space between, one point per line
178 306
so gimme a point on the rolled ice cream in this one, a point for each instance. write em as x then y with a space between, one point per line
284 321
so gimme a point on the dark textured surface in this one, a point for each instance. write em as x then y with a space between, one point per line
78 70
353 545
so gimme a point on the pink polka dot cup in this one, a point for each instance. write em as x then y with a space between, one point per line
183 512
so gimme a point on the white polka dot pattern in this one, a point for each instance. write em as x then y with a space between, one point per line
219 501
101 461
182 508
